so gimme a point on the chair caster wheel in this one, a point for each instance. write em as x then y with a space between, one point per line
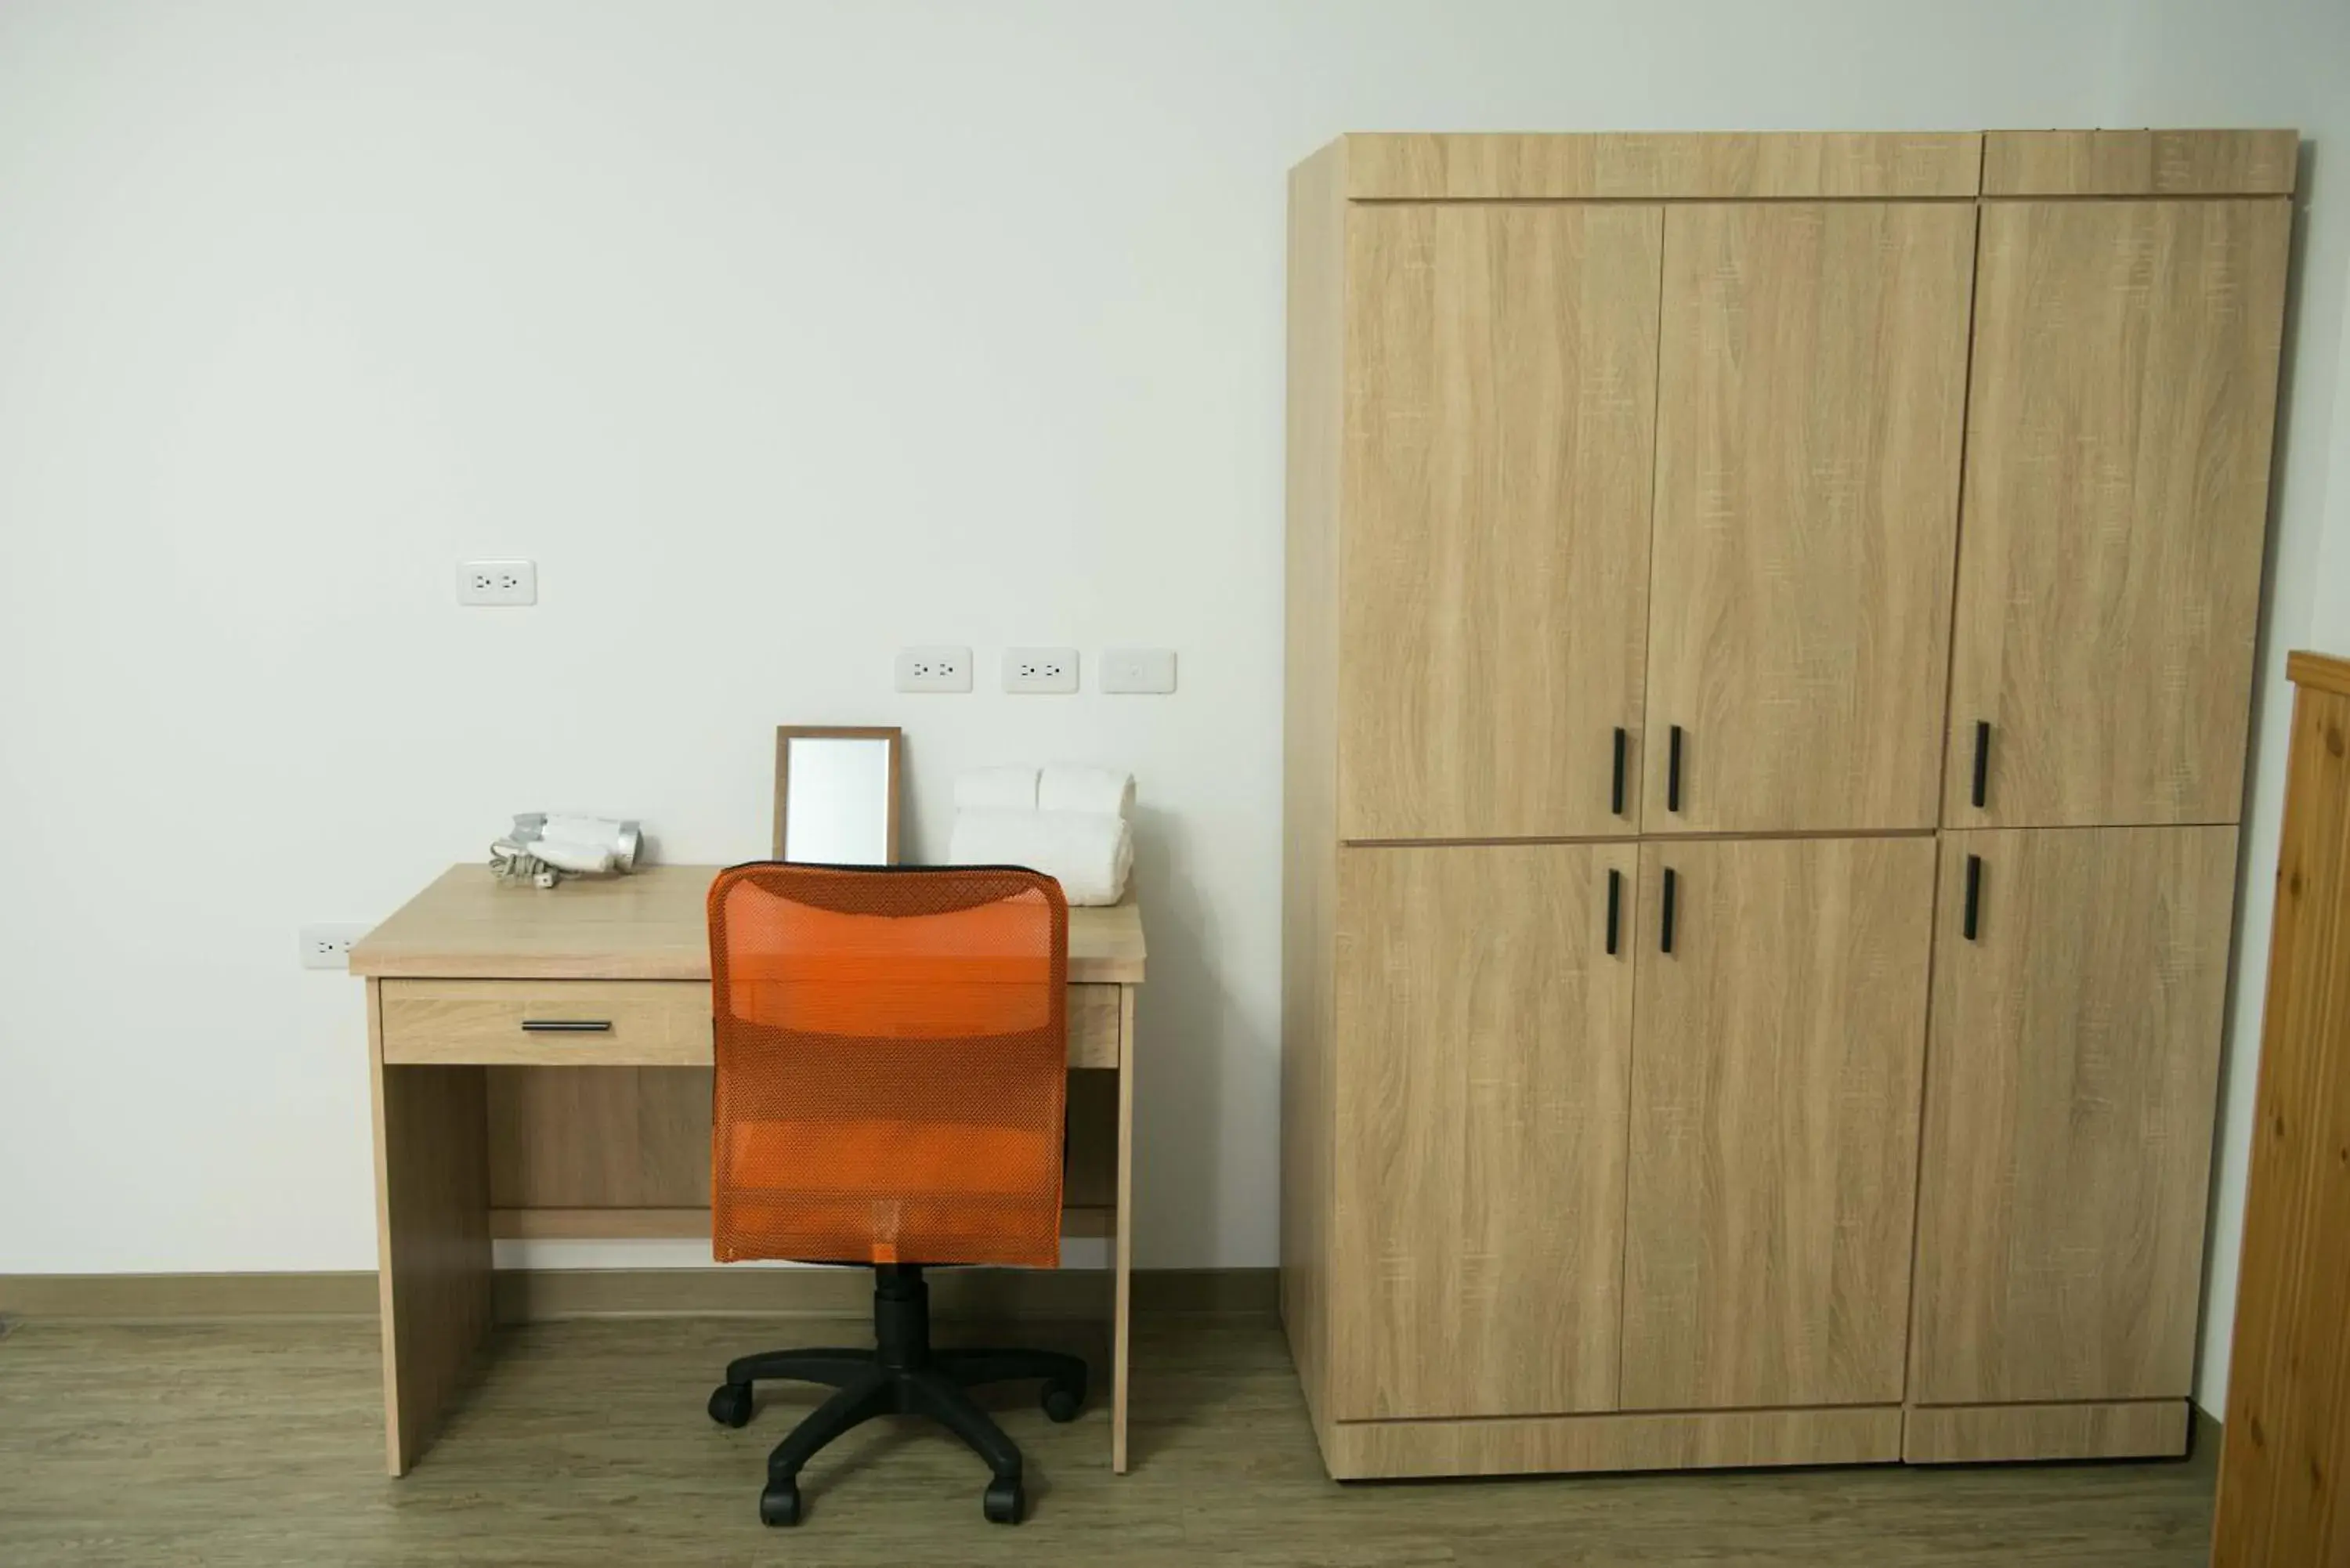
780 1503
1063 1400
729 1404
1005 1501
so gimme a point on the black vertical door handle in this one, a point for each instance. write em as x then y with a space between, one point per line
1615 902
1982 762
1673 773
1666 944
1615 790
1974 895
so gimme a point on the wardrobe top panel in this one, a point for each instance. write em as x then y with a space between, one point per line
1718 166
2139 162
1660 165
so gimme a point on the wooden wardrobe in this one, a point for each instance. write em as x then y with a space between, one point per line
1771 624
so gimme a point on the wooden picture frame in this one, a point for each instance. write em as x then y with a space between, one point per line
786 733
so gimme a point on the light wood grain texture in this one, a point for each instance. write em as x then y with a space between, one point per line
1121 1231
142 1297
1715 165
588 1140
654 1022
432 1240
584 1445
2139 162
599 1138
1020 1297
1501 400
624 1131
2072 1066
535 1295
1708 1439
1012 1297
1810 415
1483 1034
610 1224
786 733
648 925
2318 671
1776 1071
1976 1434
1309 847
2117 500
2288 1373
1095 1124
1101 1024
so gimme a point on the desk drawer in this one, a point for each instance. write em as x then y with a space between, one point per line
618 1022
547 1023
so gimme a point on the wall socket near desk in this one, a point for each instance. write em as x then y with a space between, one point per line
1040 669
497 582
328 944
934 668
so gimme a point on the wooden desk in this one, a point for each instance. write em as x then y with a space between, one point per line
485 1129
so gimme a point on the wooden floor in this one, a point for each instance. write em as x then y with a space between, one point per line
261 1442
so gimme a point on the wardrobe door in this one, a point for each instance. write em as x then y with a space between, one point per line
1483 1028
1500 404
1810 415
2117 494
1781 1023
2072 1069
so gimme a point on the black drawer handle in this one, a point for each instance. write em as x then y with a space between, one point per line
1974 897
1666 944
567 1025
1615 791
1673 773
1982 762
1615 902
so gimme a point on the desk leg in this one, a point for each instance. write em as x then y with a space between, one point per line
1121 1327
433 1236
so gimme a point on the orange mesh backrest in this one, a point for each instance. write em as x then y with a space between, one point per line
892 1052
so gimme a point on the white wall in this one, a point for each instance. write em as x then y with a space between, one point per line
2282 65
779 335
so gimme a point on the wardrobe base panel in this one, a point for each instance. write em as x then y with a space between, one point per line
1994 1434
1680 1441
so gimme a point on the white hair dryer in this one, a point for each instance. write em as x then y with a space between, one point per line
544 848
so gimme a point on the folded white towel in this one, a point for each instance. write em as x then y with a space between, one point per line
995 789
1087 852
1069 787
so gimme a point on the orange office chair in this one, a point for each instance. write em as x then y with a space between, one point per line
893 1052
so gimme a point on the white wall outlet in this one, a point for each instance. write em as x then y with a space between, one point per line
497 583
934 669
1150 669
1033 670
328 945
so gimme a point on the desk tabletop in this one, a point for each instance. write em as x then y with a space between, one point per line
649 925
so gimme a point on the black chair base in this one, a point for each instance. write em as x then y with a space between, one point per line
900 1375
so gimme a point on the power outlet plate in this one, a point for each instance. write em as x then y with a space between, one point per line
1145 669
497 583
1033 670
328 944
934 668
